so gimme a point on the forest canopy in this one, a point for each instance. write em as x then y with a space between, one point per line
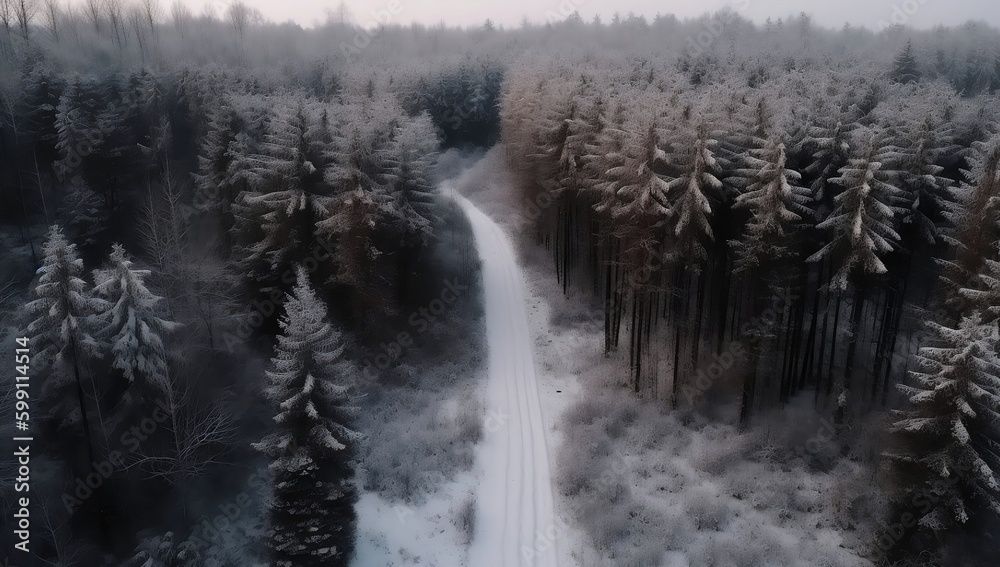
223 221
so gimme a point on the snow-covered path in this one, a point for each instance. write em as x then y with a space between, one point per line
515 523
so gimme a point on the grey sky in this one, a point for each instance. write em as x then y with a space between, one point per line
868 13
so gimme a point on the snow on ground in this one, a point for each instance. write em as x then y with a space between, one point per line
640 485
636 484
435 529
435 533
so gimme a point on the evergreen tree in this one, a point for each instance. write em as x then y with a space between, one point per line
134 330
84 213
409 163
285 185
973 215
831 147
948 441
359 171
904 68
774 203
312 519
922 177
694 168
215 181
639 204
61 338
163 551
862 227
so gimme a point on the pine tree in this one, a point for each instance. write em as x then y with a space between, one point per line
134 330
409 162
312 517
831 146
84 214
922 176
973 214
862 227
359 171
275 215
639 204
77 129
61 331
214 181
163 551
774 203
984 291
693 167
904 68
948 440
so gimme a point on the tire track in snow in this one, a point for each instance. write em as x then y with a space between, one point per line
514 499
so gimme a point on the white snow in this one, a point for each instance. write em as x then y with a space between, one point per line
515 524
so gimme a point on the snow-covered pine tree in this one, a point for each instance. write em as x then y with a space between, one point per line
771 194
905 68
358 171
584 139
312 518
132 326
606 154
163 551
639 206
831 146
77 129
947 441
973 216
983 292
83 212
409 162
862 227
275 215
60 328
921 175
414 214
214 184
693 169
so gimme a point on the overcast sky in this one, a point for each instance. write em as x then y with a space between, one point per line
868 13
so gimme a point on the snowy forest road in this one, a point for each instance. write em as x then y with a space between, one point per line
515 521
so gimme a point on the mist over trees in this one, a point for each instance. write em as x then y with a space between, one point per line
210 220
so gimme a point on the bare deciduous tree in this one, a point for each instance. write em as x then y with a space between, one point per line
239 17
202 432
181 16
7 14
137 21
115 10
52 13
151 13
24 12
94 11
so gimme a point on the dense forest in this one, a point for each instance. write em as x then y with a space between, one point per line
218 230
